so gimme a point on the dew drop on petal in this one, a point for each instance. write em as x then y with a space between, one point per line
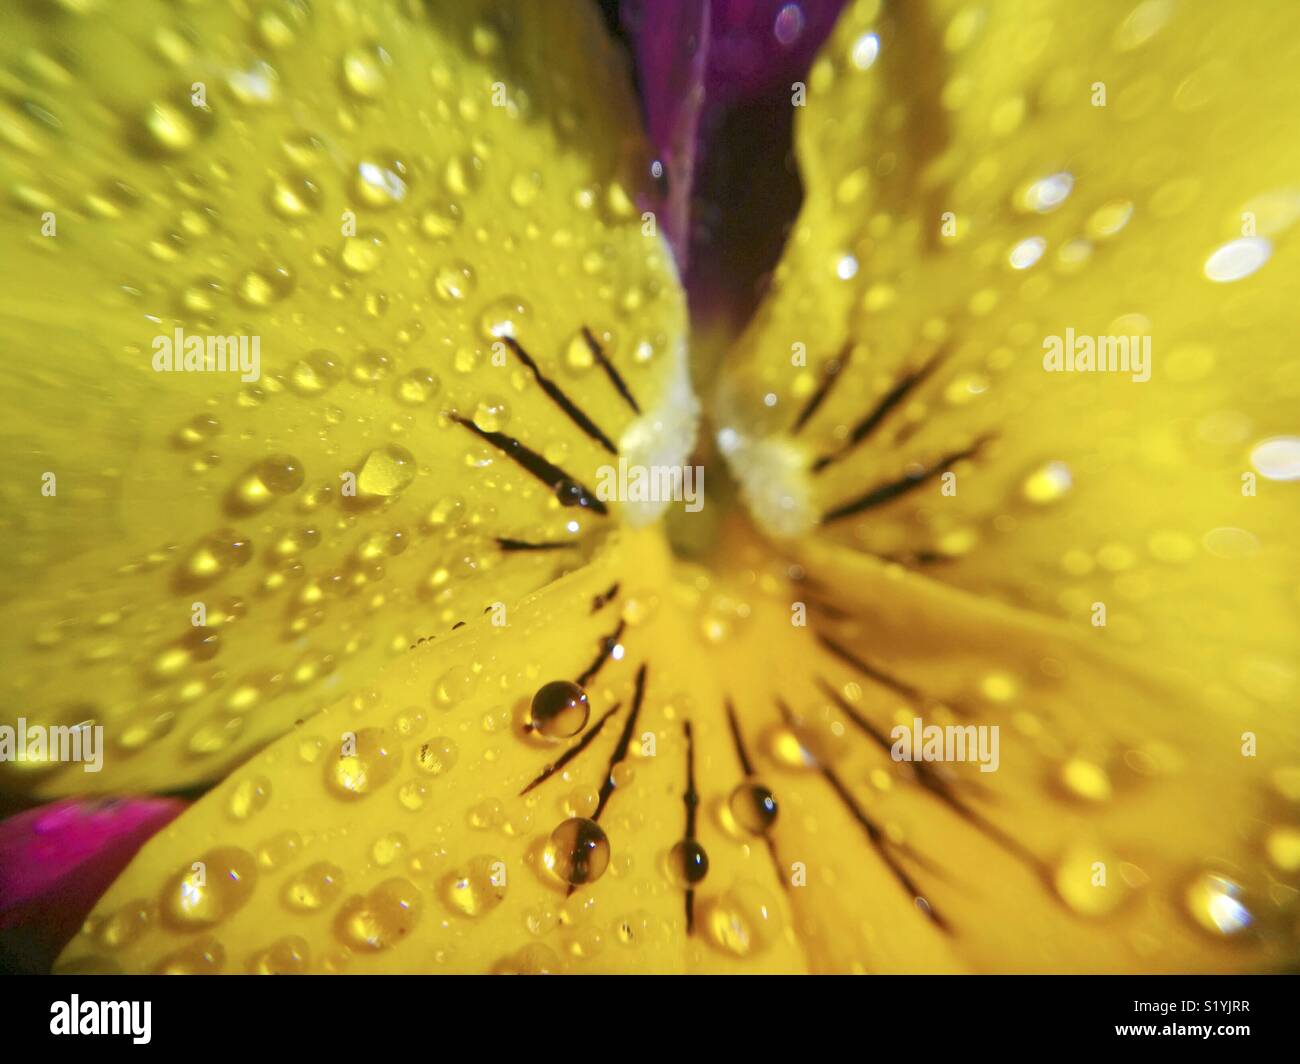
1027 252
578 852
1047 193
559 709
753 807
1277 458
865 50
380 919
1215 902
1237 259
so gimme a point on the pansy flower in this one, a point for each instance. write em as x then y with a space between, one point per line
357 439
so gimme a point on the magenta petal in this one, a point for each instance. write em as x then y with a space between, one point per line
761 46
671 41
716 82
56 861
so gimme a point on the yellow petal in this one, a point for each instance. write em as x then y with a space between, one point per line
422 847
382 198
1100 561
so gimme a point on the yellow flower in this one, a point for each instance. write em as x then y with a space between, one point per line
466 703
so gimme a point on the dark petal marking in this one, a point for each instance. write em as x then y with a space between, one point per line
875 835
938 786
598 353
607 645
604 598
888 402
879 676
692 799
891 490
574 750
507 544
620 751
830 374
556 394
552 476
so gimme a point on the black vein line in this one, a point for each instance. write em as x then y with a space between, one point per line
573 751
742 755
567 490
604 598
508 544
879 676
607 645
888 402
936 785
747 766
891 490
691 798
871 672
556 394
875 835
598 353
620 751
830 374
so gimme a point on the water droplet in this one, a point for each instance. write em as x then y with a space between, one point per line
578 852
440 220
1277 458
1087 879
743 921
381 183
287 956
219 883
261 484
315 887
688 864
454 686
1086 780
387 849
560 709
249 797
753 807
1237 259
1215 902
362 254
491 414
316 374
382 918
454 281
385 472
1027 252
203 956
1048 483
1109 219
362 72
524 188
363 763
1283 847
213 557
261 287
1047 193
168 128
477 888
417 386
865 50
293 196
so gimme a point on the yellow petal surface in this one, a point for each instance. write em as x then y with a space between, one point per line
422 224
1098 562
421 847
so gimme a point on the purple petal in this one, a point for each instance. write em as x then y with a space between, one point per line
757 47
672 42
56 861
716 80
